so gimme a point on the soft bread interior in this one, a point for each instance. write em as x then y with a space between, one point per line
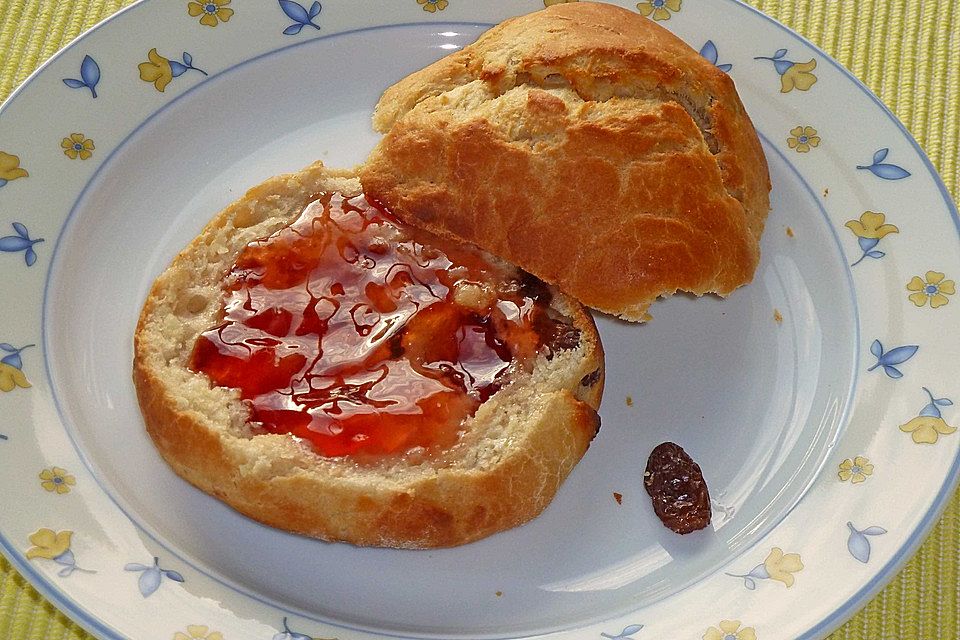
512 457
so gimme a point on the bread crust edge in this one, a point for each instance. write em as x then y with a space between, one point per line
447 508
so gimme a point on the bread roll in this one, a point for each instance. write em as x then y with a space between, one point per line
587 145
503 470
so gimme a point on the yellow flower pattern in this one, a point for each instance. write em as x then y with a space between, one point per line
777 566
871 225
798 76
433 6
856 470
156 70
55 545
77 146
927 427
730 630
10 168
56 480
870 229
781 566
49 544
793 75
198 632
11 378
659 9
933 289
212 12
802 139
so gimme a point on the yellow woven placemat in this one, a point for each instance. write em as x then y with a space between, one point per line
907 52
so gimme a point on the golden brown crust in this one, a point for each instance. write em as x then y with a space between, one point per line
527 438
587 145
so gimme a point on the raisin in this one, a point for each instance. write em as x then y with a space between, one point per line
679 492
556 335
533 287
590 379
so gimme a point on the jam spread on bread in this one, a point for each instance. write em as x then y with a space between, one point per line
364 336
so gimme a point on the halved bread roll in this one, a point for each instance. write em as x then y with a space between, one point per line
503 469
587 145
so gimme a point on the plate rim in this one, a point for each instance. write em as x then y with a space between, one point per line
889 571
837 615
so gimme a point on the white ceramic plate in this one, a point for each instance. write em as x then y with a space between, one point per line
803 396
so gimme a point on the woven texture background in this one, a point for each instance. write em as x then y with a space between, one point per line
907 52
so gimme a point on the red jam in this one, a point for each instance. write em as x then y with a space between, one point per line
364 336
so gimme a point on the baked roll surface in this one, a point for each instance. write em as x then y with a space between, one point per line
587 145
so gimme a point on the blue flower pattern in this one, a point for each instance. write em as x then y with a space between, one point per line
287 634
13 354
887 359
68 564
883 169
929 425
89 76
626 634
869 230
179 68
793 75
759 572
152 576
709 51
21 242
858 542
301 16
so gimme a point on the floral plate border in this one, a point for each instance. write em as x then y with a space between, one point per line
910 364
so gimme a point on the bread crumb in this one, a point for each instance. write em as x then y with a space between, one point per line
826 192
629 401
789 232
777 316
618 497
473 295
499 593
